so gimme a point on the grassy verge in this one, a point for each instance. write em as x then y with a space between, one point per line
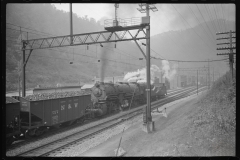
212 128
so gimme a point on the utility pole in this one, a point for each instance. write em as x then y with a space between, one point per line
208 75
19 78
230 48
213 75
148 124
197 82
23 71
231 54
71 25
149 117
177 73
116 5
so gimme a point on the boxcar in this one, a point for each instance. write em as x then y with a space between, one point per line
38 116
12 120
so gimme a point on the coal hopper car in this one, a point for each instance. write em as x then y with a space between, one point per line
39 113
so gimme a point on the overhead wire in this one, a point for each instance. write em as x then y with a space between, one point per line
211 18
205 23
181 60
31 29
192 28
177 43
200 22
48 34
219 15
191 61
51 34
24 31
217 19
228 18
224 18
117 51
86 56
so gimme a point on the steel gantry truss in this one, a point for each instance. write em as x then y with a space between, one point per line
113 34
86 38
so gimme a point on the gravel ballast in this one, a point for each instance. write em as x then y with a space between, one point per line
86 144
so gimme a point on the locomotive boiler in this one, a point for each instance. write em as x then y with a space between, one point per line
109 97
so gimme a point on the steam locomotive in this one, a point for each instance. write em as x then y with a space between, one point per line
35 114
108 97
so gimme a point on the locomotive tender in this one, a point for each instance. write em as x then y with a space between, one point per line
33 115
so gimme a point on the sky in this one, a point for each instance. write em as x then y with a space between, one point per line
168 17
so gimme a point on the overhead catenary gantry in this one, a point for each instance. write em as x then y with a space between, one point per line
116 30
121 32
86 38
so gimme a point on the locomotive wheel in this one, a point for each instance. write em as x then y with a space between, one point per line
57 126
39 131
71 122
9 141
110 108
134 104
29 134
80 121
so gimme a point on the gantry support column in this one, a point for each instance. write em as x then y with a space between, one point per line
23 72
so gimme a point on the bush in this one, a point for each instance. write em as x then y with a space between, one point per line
216 117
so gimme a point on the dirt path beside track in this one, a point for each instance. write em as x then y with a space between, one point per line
172 136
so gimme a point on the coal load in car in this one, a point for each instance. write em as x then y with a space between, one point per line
43 96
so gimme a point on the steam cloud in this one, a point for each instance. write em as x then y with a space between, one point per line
167 71
140 75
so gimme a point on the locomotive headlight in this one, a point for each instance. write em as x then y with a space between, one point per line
97 92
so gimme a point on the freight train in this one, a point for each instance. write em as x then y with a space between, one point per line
35 114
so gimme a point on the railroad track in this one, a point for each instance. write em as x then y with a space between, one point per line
73 139
66 128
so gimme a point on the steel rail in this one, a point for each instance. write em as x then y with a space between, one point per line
52 146
66 128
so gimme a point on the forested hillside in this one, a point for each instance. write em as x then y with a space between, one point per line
48 67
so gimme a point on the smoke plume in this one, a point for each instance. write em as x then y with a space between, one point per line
103 62
140 75
168 72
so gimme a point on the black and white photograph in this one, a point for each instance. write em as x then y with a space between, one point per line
119 79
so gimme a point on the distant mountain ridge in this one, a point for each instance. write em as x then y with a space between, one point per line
52 66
